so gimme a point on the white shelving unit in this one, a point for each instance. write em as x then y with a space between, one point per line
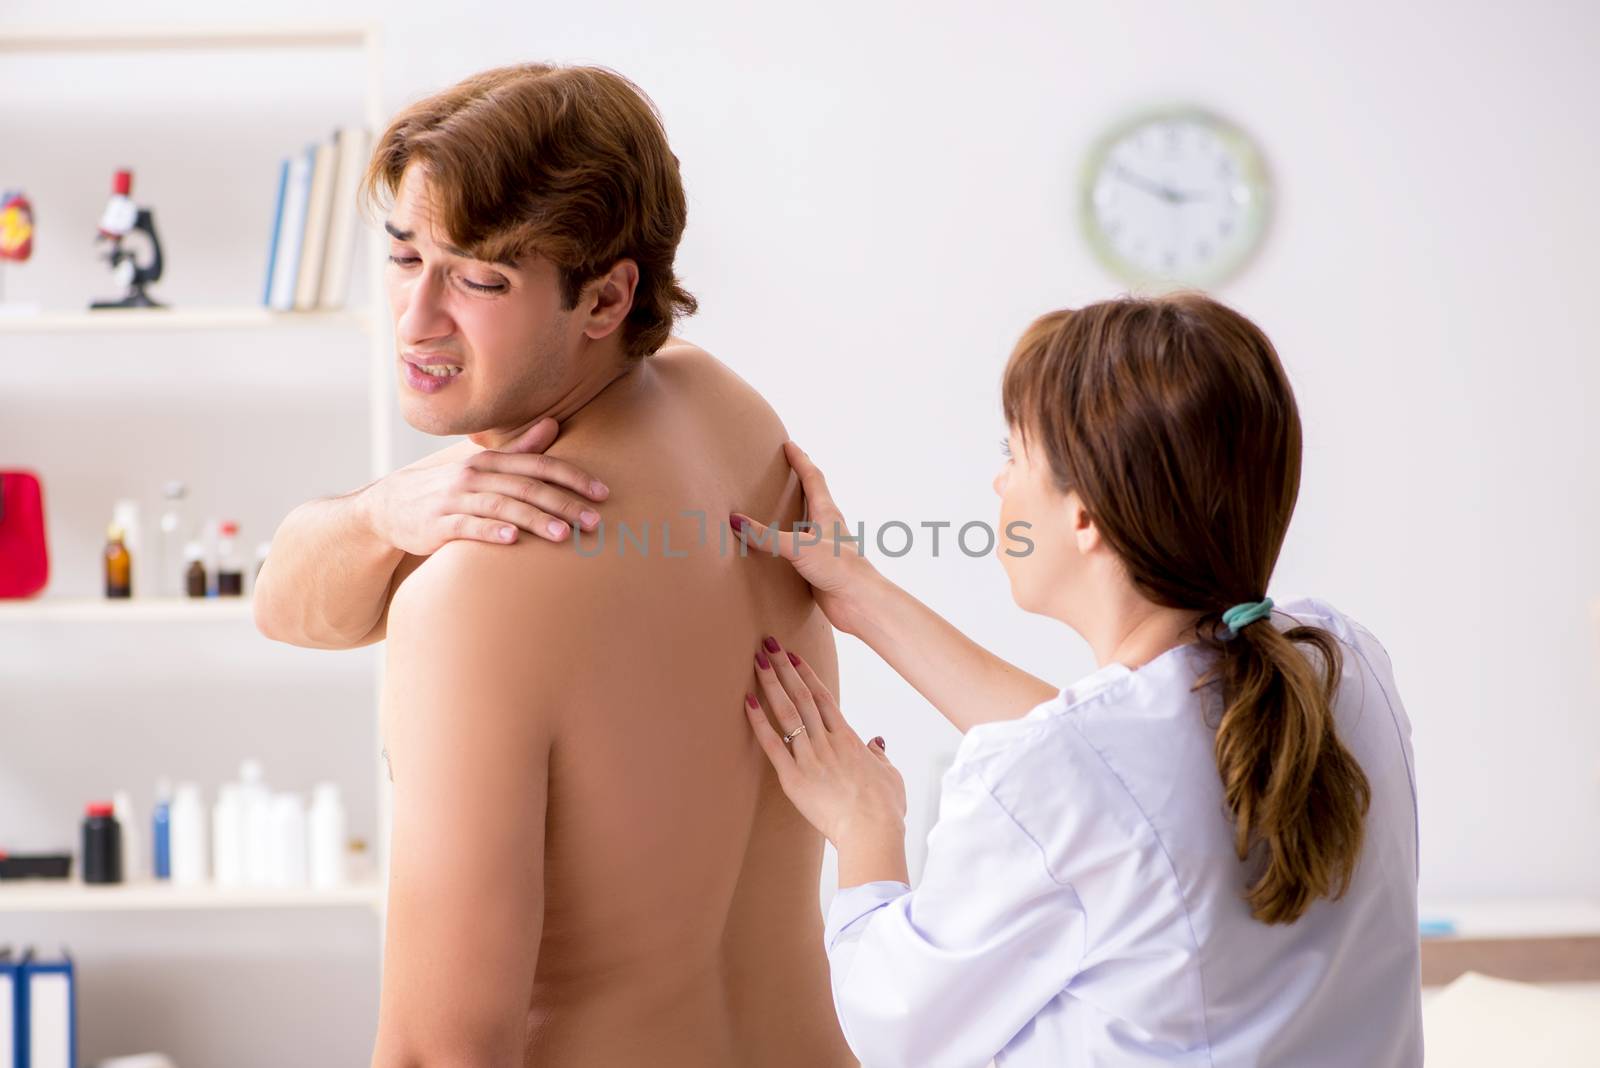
28 896
126 320
74 896
142 610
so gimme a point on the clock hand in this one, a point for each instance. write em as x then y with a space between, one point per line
1170 195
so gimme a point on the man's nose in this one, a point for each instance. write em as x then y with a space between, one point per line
421 315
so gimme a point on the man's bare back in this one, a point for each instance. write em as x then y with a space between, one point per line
680 920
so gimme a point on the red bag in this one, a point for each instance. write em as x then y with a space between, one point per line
24 563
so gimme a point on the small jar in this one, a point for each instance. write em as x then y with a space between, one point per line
194 569
119 564
102 845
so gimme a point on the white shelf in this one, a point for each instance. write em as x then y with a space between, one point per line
124 320
143 609
43 895
142 38
1517 917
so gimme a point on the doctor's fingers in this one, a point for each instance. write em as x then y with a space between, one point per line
800 693
757 537
832 718
778 753
786 713
819 501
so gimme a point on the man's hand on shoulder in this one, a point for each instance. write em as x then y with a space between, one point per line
464 492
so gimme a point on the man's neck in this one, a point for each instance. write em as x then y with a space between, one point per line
598 376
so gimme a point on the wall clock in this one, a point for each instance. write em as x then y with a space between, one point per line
1177 197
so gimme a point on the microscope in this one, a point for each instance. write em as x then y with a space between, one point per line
122 218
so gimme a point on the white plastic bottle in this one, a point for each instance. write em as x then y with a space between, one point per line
188 836
288 840
174 535
227 837
133 863
327 834
255 805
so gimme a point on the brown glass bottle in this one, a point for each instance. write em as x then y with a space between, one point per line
194 573
119 565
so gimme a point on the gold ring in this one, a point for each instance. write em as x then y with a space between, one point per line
792 735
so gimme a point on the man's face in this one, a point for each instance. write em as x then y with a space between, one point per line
497 332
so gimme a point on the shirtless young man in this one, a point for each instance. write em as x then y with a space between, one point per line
592 863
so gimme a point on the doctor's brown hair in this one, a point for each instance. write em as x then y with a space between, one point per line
570 163
1174 421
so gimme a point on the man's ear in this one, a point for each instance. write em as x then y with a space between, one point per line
609 298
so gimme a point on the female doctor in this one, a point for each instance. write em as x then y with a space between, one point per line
1205 852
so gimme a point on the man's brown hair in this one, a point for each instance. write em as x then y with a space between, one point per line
1173 419
570 163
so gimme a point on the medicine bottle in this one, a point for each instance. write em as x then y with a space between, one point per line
230 572
119 565
102 845
194 569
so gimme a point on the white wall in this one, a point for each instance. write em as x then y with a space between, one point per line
883 195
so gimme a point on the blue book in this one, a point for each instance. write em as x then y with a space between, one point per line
47 1013
277 226
291 230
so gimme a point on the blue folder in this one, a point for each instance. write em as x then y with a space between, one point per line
11 1048
46 1010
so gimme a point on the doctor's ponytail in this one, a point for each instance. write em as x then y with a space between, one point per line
1173 420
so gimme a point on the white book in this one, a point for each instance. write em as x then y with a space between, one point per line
291 230
309 283
51 1042
354 146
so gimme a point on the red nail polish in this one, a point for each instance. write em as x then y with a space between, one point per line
880 744
771 644
750 699
795 660
761 658
736 521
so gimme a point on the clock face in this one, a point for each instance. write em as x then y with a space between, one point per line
1174 198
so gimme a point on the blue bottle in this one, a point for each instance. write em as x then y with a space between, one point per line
161 832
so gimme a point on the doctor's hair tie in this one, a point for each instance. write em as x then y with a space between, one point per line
1243 614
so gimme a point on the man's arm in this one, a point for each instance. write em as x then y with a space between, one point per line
336 562
468 730
327 582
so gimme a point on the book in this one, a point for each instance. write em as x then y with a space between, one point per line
272 246
308 284
292 230
51 1021
354 145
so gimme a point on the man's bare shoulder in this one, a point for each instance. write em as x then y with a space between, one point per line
529 614
468 575
702 373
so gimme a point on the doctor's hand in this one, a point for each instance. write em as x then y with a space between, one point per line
834 566
846 789
485 496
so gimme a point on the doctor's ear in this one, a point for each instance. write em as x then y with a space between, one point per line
1084 532
607 300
